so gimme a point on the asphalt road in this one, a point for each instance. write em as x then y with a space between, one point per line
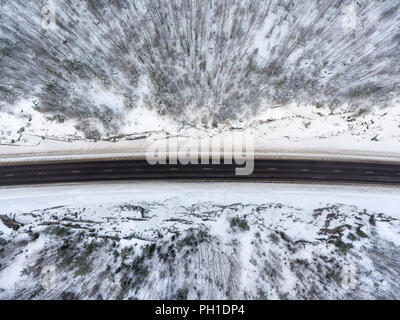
270 170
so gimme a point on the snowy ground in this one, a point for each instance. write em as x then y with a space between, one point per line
199 240
296 132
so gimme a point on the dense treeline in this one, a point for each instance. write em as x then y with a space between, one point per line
199 61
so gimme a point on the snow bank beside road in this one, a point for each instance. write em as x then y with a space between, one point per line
89 193
301 133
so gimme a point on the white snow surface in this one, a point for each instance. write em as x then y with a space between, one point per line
302 132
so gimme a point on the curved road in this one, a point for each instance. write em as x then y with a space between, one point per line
272 170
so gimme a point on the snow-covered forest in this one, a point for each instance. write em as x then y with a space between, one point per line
199 241
201 62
